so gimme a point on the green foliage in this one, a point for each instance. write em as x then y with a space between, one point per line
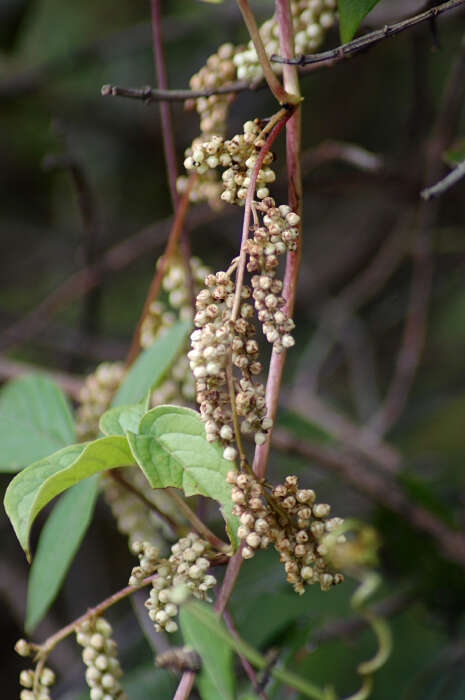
117 420
171 448
351 13
216 679
58 543
36 485
35 420
455 154
151 365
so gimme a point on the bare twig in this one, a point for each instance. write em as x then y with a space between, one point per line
380 489
271 78
148 94
446 183
329 58
196 523
350 153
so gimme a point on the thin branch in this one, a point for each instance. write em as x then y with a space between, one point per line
294 178
156 283
380 489
270 76
9 369
185 685
148 94
196 523
446 183
329 58
167 519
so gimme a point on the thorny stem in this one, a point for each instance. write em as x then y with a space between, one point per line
155 285
168 136
270 76
293 138
195 521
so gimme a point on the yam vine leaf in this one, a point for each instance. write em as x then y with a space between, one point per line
351 13
35 420
36 485
171 448
58 543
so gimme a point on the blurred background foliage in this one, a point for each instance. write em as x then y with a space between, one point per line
54 58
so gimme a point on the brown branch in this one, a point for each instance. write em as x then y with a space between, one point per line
380 489
167 519
446 183
10 369
148 94
326 59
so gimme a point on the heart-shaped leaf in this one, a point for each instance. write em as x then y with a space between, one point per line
117 420
35 420
59 540
36 485
351 13
171 448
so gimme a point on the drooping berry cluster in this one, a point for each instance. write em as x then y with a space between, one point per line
237 157
186 568
221 341
99 655
311 20
35 684
219 70
95 397
289 518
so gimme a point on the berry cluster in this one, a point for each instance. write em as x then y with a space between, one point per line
220 340
186 568
99 655
311 19
277 234
237 156
95 397
219 70
39 690
288 517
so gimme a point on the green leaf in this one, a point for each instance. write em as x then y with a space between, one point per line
172 450
58 543
216 679
36 485
151 365
35 420
351 13
117 420
456 153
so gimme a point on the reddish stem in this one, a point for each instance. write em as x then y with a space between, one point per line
161 267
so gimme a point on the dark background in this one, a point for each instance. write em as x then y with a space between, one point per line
54 58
